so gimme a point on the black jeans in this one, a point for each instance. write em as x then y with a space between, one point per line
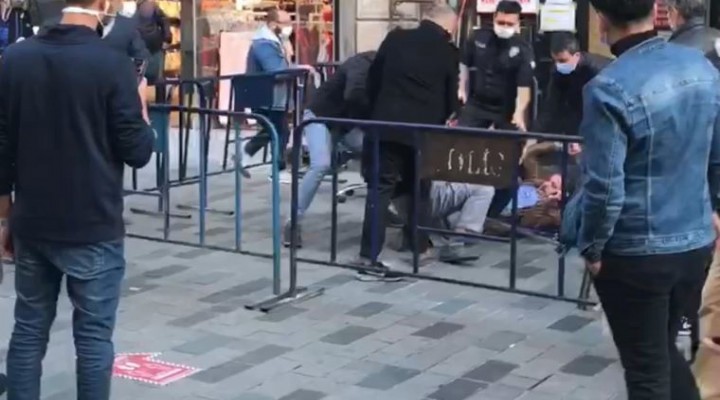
396 176
644 298
261 139
472 116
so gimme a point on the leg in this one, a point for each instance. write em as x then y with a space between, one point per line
475 202
682 298
635 293
319 145
94 276
389 175
502 197
37 284
707 363
422 203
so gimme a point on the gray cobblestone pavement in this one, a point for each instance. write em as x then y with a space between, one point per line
408 340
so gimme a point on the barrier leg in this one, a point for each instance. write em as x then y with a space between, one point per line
163 196
334 203
238 194
585 287
294 293
514 230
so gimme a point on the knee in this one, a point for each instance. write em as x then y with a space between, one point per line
482 191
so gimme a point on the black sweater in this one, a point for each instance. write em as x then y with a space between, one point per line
70 117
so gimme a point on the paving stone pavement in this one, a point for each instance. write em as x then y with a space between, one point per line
408 340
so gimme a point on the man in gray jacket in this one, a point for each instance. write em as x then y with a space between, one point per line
688 22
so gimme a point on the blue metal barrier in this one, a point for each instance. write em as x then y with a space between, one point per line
371 127
165 110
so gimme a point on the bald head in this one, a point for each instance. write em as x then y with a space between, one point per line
443 15
277 16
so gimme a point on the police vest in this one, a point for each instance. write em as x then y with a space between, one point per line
496 65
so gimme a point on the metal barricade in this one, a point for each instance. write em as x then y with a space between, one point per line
507 144
163 111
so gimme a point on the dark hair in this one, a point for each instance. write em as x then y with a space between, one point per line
508 7
623 12
689 9
563 41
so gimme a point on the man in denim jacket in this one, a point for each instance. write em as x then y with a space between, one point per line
269 53
645 213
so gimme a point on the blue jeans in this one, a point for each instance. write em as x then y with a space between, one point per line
319 144
94 273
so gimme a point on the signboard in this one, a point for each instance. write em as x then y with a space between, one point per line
468 158
557 17
143 367
488 6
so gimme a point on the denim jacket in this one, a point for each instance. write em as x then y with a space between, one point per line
652 136
268 55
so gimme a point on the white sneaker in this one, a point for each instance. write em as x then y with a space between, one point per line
284 176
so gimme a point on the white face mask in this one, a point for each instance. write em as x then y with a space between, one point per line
106 27
286 31
504 32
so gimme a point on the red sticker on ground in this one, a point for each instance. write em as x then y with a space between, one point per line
143 367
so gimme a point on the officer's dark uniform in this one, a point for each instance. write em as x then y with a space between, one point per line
497 68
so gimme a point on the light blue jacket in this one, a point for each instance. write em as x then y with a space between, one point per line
268 55
652 131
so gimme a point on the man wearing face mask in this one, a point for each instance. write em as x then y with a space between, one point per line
270 52
562 109
71 116
155 31
651 130
498 90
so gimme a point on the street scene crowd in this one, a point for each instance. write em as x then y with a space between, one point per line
637 198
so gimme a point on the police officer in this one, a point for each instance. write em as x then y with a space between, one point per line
502 70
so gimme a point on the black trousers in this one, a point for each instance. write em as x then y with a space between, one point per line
644 299
262 138
396 176
471 116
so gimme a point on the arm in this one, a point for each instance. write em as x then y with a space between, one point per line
452 100
714 162
137 47
8 145
550 109
131 137
374 78
467 59
525 83
603 161
354 93
162 21
269 56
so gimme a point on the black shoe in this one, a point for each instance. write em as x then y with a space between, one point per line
287 242
457 253
375 272
3 384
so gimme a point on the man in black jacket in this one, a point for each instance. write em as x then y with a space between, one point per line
414 78
70 116
155 31
124 35
562 110
343 95
688 21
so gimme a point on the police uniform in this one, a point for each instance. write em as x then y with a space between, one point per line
497 68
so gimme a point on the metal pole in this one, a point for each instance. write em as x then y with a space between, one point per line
513 229
563 177
334 209
415 202
203 192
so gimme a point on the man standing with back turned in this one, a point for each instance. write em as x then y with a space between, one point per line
413 78
70 117
646 215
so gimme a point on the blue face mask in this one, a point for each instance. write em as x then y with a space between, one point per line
565 68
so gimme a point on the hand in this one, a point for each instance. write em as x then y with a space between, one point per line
6 246
574 149
712 346
142 93
594 268
519 121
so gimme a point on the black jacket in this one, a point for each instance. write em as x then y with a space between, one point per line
125 38
155 30
562 106
695 33
414 78
70 117
344 94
